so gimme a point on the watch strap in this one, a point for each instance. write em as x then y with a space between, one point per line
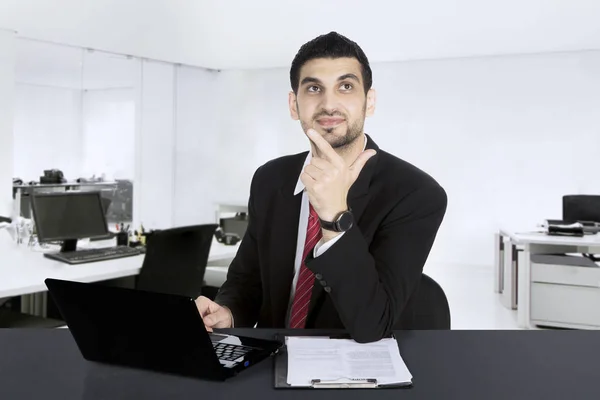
334 225
329 225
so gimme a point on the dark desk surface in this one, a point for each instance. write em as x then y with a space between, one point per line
46 364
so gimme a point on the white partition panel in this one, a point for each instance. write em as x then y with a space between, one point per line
7 84
153 191
197 153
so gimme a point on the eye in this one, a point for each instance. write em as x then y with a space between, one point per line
313 89
347 86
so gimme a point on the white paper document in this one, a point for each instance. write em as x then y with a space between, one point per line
344 361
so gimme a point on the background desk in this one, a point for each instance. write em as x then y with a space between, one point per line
445 365
23 271
513 272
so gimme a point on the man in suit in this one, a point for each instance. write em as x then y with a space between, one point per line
338 236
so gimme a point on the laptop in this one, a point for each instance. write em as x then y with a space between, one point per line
153 331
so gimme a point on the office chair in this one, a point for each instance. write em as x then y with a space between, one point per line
427 309
175 260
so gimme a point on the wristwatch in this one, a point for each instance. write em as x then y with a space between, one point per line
341 223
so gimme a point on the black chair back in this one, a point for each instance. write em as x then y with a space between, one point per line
427 309
176 259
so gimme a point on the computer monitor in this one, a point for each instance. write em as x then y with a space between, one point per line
237 224
581 207
68 216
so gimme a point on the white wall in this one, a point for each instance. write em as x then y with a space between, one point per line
47 125
108 143
157 29
505 136
7 83
49 64
227 124
248 34
254 126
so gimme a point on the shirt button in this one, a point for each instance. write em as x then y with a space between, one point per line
319 276
327 289
323 283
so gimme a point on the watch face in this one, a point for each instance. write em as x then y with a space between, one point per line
345 221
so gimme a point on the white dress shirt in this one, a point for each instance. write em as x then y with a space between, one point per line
320 247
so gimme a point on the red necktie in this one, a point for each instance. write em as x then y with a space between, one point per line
306 278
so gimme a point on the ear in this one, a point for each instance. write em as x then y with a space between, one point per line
292 102
371 97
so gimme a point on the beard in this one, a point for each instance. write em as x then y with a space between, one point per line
334 136
353 132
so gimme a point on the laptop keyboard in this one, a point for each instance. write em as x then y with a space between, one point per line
230 352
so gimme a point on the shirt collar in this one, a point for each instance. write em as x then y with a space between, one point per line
299 185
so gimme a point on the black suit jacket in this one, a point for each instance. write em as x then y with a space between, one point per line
365 280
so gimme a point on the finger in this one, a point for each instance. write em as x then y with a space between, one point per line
321 163
324 147
213 307
360 162
218 320
203 304
307 180
314 172
224 322
211 320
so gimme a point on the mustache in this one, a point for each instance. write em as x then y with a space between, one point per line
321 114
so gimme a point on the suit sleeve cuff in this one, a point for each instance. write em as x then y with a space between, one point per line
321 247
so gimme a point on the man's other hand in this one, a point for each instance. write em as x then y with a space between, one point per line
214 315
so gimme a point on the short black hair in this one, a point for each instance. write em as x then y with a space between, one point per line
330 45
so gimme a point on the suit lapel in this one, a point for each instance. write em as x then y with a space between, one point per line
358 196
284 231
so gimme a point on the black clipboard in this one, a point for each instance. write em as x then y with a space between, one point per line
280 372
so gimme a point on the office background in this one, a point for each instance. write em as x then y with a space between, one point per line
503 111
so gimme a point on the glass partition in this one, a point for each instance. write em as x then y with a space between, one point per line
75 124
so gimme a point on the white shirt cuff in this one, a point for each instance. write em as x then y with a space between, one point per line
321 247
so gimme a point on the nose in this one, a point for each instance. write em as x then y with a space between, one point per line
330 102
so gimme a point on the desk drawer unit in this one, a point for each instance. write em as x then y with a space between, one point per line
565 296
